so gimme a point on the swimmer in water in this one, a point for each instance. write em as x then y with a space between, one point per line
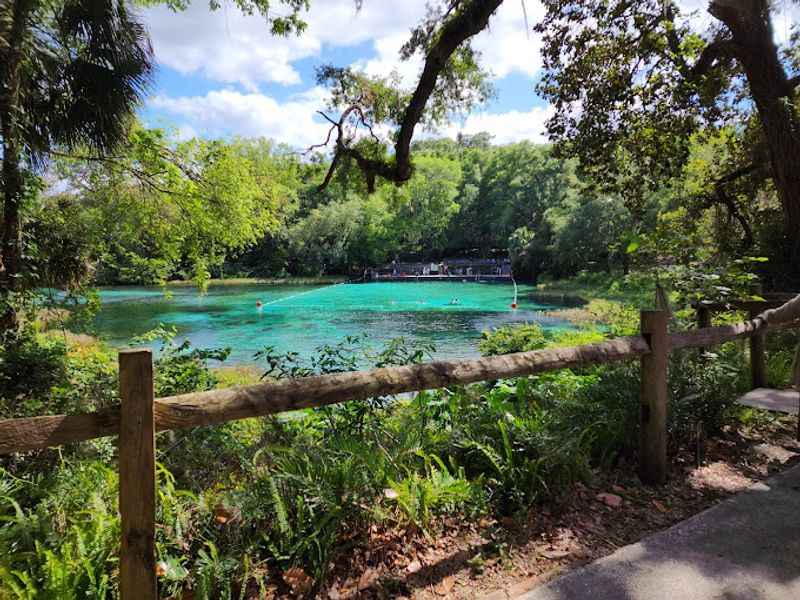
259 304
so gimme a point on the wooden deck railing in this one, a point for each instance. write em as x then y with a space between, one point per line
141 415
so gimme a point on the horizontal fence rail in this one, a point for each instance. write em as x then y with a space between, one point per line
218 406
140 415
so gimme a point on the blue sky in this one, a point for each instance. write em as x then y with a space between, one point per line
222 74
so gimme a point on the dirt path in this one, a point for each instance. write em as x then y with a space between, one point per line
500 560
745 547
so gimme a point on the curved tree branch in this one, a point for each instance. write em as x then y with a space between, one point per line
719 49
470 18
721 196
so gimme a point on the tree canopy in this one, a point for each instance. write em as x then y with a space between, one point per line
71 75
633 82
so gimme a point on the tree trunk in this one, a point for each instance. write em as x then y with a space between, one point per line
12 181
754 48
10 266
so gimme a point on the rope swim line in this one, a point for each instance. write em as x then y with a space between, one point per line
260 304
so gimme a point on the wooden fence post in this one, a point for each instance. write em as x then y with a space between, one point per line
703 321
653 398
703 316
137 476
758 363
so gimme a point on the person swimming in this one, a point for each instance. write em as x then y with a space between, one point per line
455 301
259 304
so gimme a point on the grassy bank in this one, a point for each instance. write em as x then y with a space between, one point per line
344 496
635 290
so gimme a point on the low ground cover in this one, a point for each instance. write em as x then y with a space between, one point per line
443 493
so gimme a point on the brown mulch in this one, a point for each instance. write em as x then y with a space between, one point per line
502 559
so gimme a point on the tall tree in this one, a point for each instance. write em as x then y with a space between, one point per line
71 74
632 80
450 79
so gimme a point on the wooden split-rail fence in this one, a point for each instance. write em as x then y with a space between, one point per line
141 415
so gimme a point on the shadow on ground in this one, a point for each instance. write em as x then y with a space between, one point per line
747 547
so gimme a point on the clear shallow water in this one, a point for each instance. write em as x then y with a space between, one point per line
300 318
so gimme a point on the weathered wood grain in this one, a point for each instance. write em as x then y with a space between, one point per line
137 477
32 433
217 406
713 336
653 398
758 360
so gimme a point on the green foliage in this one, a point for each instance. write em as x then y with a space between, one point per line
530 336
83 68
781 355
180 369
29 367
421 495
243 502
703 391
59 536
653 110
510 338
198 209
163 209
422 209
621 319
40 374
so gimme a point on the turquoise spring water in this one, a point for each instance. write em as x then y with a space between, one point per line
301 318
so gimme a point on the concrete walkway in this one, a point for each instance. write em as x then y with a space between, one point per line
785 401
745 548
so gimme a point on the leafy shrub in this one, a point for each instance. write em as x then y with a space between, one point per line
435 490
531 336
30 366
703 390
181 369
574 337
59 536
620 319
781 353
508 339
599 405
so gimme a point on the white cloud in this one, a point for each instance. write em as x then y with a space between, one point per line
294 122
506 127
225 46
230 47
227 112
508 46
388 61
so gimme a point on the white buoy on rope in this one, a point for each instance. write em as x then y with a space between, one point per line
514 303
